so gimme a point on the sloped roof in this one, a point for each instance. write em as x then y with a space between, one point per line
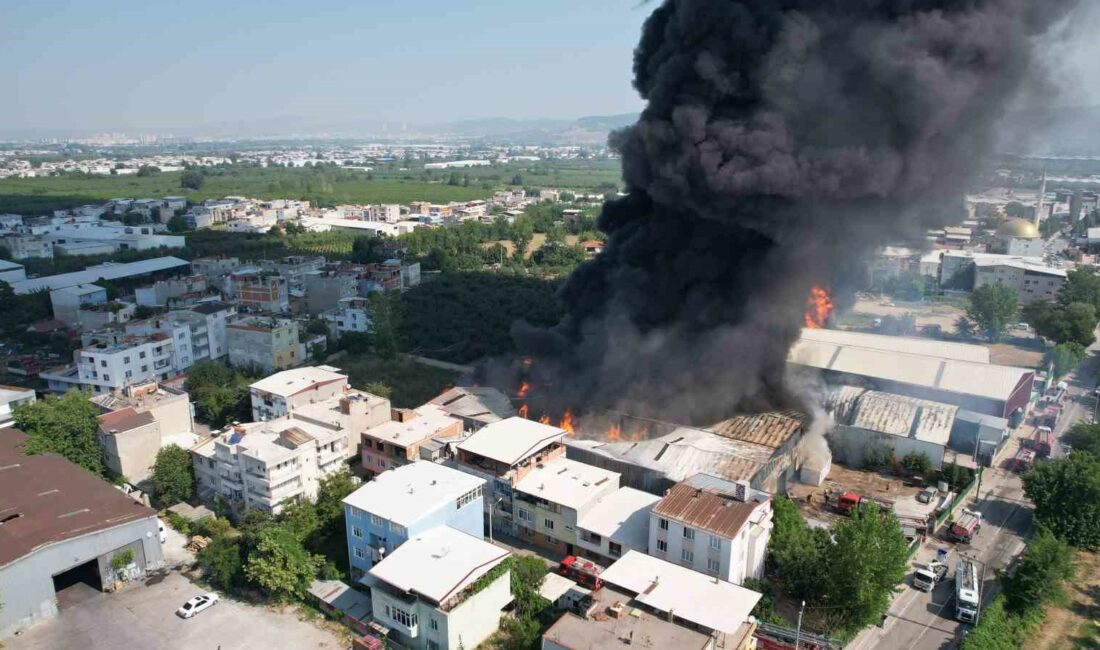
767 429
510 441
710 506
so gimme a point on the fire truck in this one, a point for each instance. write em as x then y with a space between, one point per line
846 503
966 527
585 573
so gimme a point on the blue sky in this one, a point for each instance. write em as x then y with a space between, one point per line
158 66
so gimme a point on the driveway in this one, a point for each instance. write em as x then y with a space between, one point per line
143 616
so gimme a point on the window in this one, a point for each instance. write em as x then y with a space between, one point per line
377 521
106 377
662 546
548 524
432 645
357 531
712 565
397 529
403 617
432 623
614 549
141 355
129 374
468 497
145 368
662 524
381 462
689 533
687 556
715 541
359 553
379 445
102 363
523 514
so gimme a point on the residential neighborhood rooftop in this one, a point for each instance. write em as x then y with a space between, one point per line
405 494
607 630
709 503
511 440
566 482
622 516
291 382
429 420
438 563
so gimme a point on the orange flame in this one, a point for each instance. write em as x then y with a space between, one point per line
819 306
545 419
567 423
524 388
639 434
615 433
523 411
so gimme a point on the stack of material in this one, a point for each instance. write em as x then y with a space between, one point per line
198 542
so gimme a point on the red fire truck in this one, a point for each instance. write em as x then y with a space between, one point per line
584 572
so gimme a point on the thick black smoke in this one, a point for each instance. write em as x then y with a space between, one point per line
782 141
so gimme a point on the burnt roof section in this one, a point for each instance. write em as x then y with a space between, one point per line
210 307
767 429
45 499
707 507
124 419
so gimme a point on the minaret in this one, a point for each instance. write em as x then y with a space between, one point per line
1042 198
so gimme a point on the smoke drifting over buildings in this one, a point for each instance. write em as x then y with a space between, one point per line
782 141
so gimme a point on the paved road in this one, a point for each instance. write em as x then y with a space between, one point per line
927 621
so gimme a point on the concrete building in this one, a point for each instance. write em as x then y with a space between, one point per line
405 502
268 343
209 336
427 593
616 523
503 453
1029 280
713 526
259 292
164 292
70 303
695 600
114 361
11 397
283 392
114 237
398 441
326 289
551 499
139 421
215 268
350 315
951 373
24 247
63 525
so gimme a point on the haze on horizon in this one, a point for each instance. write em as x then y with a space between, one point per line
115 66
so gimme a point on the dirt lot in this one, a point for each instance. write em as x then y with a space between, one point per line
1076 625
842 479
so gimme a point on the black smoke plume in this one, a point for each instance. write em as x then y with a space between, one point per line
782 141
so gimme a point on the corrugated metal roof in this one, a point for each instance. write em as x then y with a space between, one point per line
904 416
108 271
906 344
767 429
710 507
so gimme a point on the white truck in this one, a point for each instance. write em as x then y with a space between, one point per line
967 591
928 576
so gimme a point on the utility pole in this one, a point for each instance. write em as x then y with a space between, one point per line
798 630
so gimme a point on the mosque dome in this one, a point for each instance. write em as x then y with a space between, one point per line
1018 228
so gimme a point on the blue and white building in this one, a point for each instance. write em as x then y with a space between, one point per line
403 502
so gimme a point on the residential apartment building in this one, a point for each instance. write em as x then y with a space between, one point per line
350 315
208 336
1030 281
112 361
162 292
262 292
268 343
281 393
178 330
260 465
70 303
551 498
327 288
11 397
427 593
616 523
23 247
398 441
137 422
404 502
503 453
713 526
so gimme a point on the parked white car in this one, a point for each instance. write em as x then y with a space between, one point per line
197 604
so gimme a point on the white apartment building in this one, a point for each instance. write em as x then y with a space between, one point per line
260 465
283 392
713 526
426 591
178 330
10 397
117 361
618 522
554 496
351 315
208 336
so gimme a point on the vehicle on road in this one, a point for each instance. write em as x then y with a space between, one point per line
927 495
1042 442
967 591
965 527
927 577
197 604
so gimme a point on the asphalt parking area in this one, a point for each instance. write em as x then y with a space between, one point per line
143 616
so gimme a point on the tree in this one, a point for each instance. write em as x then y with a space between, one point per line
331 491
1083 437
385 312
191 179
1017 210
1064 357
379 389
280 565
221 561
917 464
143 311
1066 494
992 307
173 475
178 223
864 587
1081 286
1063 323
1046 563
965 327
219 392
63 425
796 551
147 170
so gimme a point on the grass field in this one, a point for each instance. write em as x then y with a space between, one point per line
325 185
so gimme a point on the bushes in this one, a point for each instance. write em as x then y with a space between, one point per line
916 464
1000 630
878 456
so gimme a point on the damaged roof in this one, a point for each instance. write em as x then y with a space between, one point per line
767 429
897 415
